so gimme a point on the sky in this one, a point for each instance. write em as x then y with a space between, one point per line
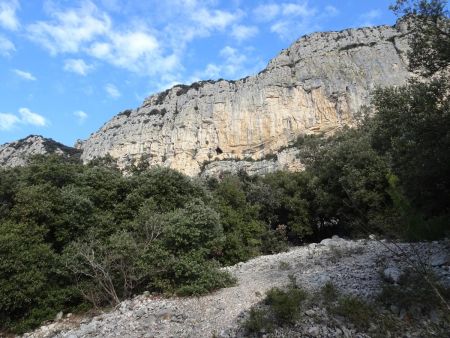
68 66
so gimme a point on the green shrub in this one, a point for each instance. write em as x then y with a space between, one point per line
193 275
286 204
415 225
258 322
274 241
348 178
284 266
32 288
195 227
286 304
243 231
355 310
415 293
329 293
280 308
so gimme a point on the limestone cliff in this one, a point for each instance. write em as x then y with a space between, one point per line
315 86
286 159
17 153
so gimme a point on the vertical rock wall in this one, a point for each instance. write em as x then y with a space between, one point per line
315 86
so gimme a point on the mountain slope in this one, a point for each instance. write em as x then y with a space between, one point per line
18 152
315 86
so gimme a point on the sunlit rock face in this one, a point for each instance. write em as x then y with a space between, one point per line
17 153
315 86
287 159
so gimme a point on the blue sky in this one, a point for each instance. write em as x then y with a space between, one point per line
68 66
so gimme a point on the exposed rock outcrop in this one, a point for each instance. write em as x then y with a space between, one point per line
315 86
284 160
18 152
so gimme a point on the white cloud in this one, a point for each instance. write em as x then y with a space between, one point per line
8 18
154 45
281 28
241 32
331 11
81 115
234 61
212 71
228 52
70 29
188 20
100 50
271 11
294 9
215 19
112 91
289 30
137 51
137 43
28 117
366 19
266 12
6 46
8 121
77 66
290 20
86 29
24 75
235 64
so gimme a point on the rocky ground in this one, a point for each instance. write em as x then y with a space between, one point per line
355 267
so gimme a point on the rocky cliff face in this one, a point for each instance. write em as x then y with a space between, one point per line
286 159
17 153
315 86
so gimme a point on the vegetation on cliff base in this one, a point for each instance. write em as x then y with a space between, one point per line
72 235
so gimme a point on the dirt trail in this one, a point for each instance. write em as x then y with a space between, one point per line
353 266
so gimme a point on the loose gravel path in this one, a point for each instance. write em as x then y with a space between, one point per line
353 266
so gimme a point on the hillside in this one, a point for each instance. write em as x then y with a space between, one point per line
140 232
16 153
316 86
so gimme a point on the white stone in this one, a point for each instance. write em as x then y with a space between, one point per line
316 86
392 274
59 315
439 259
314 331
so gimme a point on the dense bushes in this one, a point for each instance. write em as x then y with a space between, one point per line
349 182
244 231
70 232
411 127
411 131
281 307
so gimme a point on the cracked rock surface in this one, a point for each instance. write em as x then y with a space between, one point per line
315 86
17 153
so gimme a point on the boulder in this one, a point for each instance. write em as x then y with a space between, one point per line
392 275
